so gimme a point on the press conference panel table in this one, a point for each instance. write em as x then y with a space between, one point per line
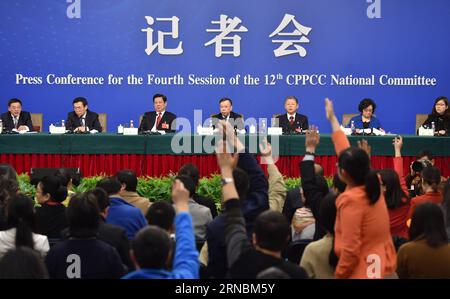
157 155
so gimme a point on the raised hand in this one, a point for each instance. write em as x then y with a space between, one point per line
398 144
364 145
312 139
331 116
225 160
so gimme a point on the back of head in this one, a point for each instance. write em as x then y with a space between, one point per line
151 247
53 186
21 216
394 194
101 198
22 263
425 154
83 216
110 184
67 177
241 182
272 231
428 223
129 178
356 163
8 172
188 184
161 214
327 212
338 184
191 171
272 273
431 176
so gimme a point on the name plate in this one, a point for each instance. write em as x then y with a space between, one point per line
205 131
57 130
275 131
130 131
425 132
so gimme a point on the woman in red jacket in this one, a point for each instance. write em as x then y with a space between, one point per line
396 193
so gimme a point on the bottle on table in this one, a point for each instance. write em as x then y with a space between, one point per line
131 124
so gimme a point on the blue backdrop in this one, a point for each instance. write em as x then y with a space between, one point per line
412 37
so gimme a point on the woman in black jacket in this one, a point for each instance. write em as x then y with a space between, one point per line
440 115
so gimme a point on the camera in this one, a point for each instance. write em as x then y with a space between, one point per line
419 165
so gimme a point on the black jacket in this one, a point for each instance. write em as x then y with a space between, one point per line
300 122
166 124
292 203
51 220
24 120
91 121
254 203
235 117
116 237
244 261
440 123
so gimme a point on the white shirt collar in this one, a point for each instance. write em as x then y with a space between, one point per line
293 115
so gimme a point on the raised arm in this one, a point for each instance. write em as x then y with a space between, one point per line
340 141
185 263
398 162
277 188
236 238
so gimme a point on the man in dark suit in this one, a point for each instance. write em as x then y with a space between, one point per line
160 119
81 120
226 113
292 122
15 118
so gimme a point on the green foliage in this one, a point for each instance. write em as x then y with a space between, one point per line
87 183
158 188
155 188
292 183
25 185
211 188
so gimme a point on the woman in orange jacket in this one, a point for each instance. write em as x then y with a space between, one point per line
363 242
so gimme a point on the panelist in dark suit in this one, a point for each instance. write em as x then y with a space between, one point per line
160 119
292 122
226 113
81 120
15 118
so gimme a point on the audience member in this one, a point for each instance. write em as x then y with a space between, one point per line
428 253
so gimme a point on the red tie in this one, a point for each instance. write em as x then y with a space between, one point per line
158 119
291 120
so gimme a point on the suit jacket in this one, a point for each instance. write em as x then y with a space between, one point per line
300 122
292 203
201 216
24 120
166 124
91 121
207 202
236 117
440 123
254 203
